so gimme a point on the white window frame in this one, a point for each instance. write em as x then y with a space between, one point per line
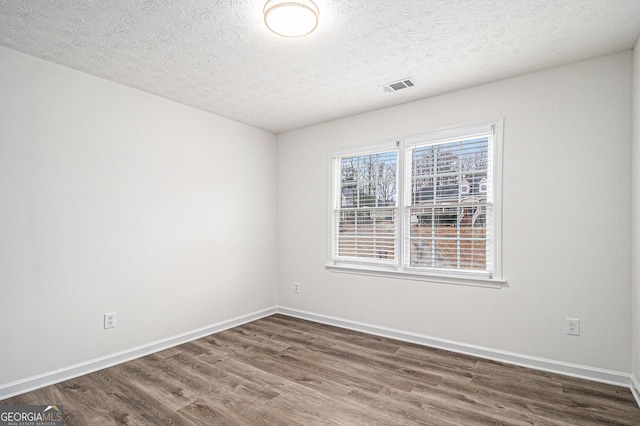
400 269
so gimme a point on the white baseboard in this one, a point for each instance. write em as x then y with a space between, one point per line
567 369
635 389
36 382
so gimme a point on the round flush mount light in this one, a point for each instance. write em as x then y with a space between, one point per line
291 18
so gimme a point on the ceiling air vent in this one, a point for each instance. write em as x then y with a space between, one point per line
398 85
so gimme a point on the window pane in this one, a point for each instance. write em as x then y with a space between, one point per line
366 218
450 172
366 234
369 180
450 198
448 237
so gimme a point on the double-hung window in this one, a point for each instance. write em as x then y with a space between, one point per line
423 207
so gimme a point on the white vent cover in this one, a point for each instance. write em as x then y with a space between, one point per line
398 85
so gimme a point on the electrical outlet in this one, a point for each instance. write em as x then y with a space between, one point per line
110 320
573 326
296 287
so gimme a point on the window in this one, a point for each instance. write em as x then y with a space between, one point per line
424 207
483 185
465 188
366 215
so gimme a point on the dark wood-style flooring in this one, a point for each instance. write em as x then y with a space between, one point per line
286 371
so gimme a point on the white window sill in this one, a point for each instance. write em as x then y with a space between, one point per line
442 279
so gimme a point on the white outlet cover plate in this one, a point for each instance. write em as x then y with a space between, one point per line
110 320
572 326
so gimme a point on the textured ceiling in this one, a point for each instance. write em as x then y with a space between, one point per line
218 56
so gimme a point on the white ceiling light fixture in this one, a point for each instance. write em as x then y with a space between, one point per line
291 18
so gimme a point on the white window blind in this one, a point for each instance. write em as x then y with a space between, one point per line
365 213
449 211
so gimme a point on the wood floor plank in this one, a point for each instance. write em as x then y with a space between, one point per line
132 399
167 390
220 381
201 414
285 371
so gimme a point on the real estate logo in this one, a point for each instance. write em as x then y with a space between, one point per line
31 415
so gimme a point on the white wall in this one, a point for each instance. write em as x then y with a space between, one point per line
636 214
567 174
112 199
